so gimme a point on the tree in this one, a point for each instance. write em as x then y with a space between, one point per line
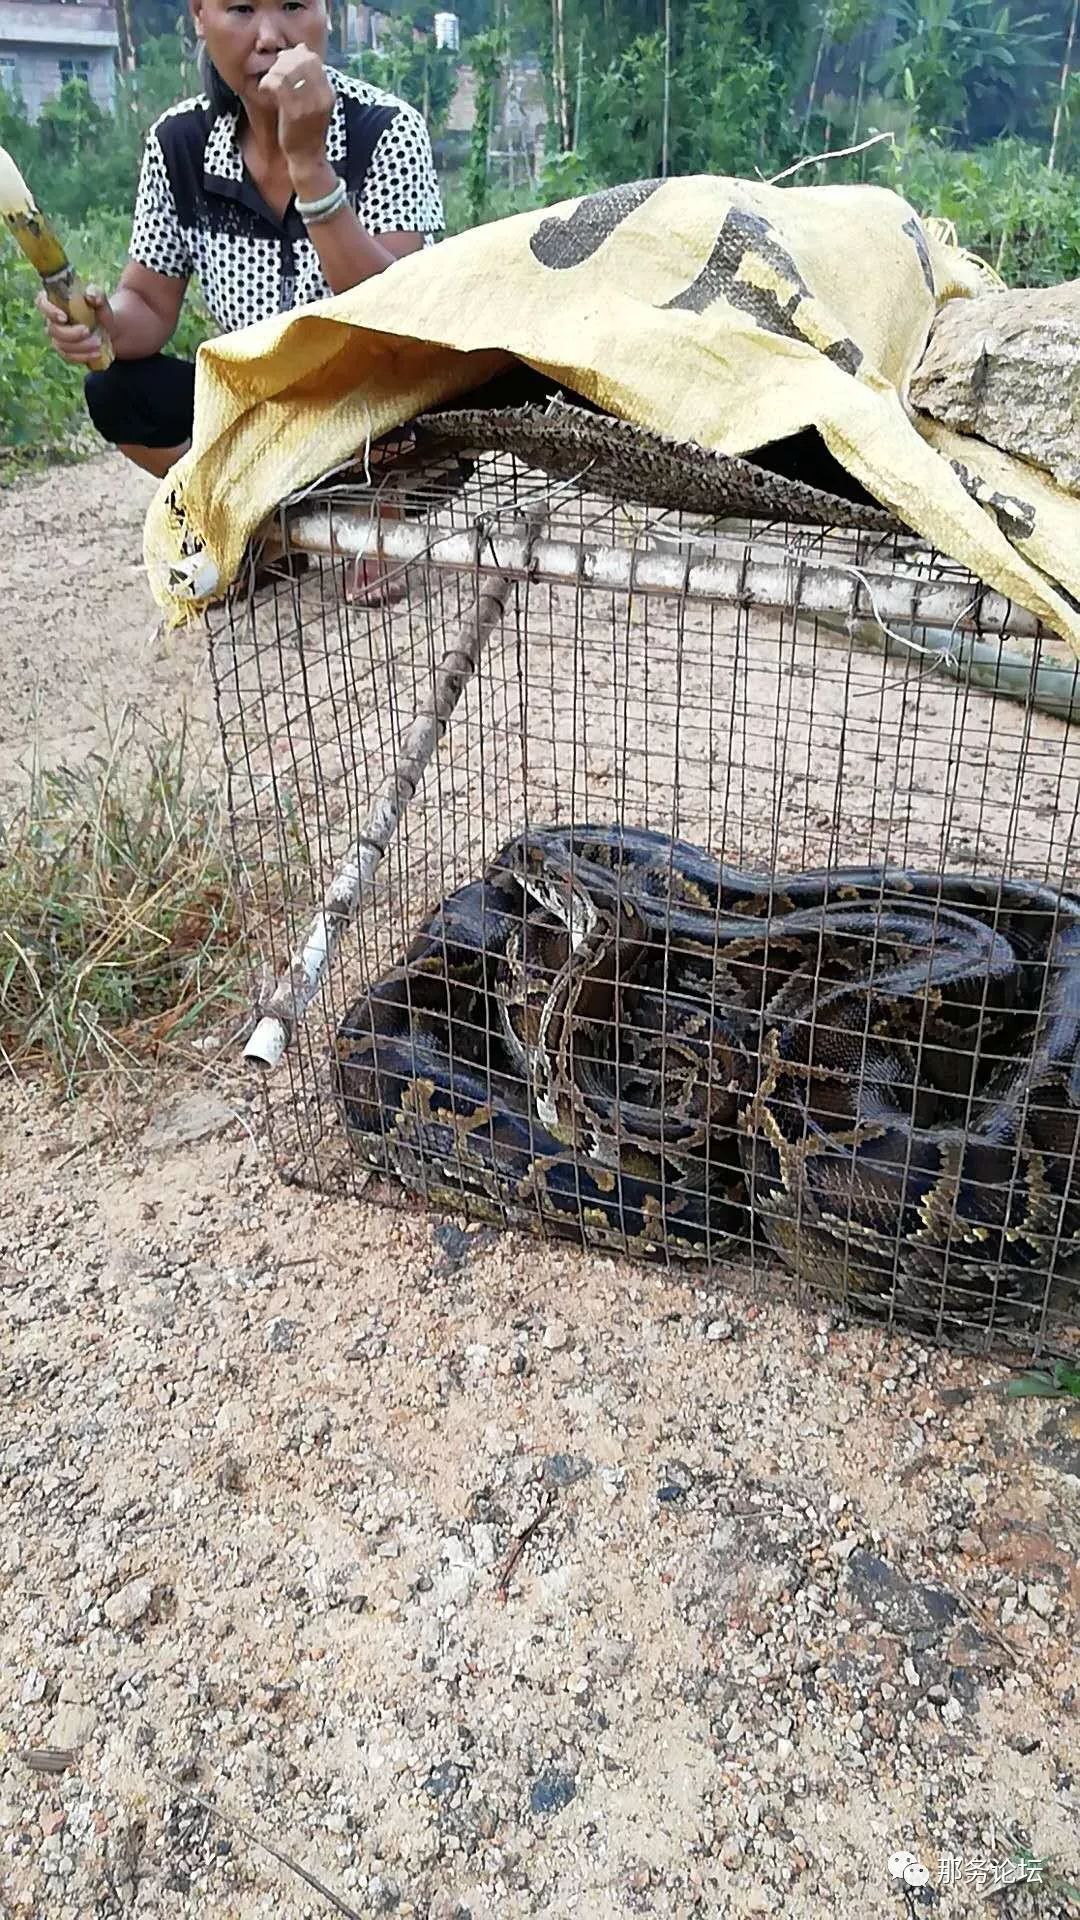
409 64
966 67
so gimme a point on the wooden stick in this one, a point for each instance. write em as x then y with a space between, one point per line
299 986
519 1544
276 1853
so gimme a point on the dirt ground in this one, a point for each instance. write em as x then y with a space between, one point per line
473 1576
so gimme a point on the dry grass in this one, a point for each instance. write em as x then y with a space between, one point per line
119 918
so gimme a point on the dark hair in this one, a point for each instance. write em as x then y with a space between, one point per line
221 97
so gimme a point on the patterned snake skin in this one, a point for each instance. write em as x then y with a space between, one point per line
874 1072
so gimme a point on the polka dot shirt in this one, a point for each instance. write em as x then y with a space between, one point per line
198 212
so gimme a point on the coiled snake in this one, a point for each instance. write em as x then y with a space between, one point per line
874 1072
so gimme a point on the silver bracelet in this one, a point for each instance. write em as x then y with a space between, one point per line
312 211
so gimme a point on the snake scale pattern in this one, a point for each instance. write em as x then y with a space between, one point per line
872 1072
633 463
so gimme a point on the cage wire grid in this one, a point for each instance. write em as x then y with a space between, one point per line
768 734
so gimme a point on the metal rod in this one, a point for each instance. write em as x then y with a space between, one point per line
300 983
803 584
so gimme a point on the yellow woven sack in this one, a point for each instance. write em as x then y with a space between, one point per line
720 311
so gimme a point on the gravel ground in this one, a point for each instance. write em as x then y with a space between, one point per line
474 1576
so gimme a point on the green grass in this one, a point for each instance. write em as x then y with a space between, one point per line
119 921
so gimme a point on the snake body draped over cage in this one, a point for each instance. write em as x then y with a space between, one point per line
873 1072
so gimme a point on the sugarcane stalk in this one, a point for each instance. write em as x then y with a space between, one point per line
35 235
300 984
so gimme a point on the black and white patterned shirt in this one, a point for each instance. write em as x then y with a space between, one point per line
198 211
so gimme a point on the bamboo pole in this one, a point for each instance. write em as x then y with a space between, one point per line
1066 68
562 101
666 125
739 579
812 95
299 985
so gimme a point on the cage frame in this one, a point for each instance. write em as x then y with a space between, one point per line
351 516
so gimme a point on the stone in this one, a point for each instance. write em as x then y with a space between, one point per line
71 1726
443 1782
556 1335
677 1479
129 1605
1043 1601
1006 368
901 1606
194 1116
566 1469
551 1791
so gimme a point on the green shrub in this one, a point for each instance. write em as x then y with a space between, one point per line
1005 203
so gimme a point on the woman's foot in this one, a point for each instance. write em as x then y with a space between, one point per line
376 582
285 567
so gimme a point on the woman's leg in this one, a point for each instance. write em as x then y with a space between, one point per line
145 409
156 460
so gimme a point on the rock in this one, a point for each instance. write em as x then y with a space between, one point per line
719 1329
900 1605
552 1790
71 1726
485 1551
454 1245
556 1335
732 1853
280 1335
1043 1601
677 1481
1006 367
129 1605
565 1469
443 1782
234 1416
194 1116
33 1687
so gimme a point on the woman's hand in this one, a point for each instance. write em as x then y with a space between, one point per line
76 344
300 88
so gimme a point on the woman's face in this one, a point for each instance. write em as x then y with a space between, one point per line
244 37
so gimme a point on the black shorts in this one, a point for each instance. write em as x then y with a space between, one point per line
143 403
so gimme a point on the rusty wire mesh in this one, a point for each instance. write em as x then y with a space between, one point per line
758 733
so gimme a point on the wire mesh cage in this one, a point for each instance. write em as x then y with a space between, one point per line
724 916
